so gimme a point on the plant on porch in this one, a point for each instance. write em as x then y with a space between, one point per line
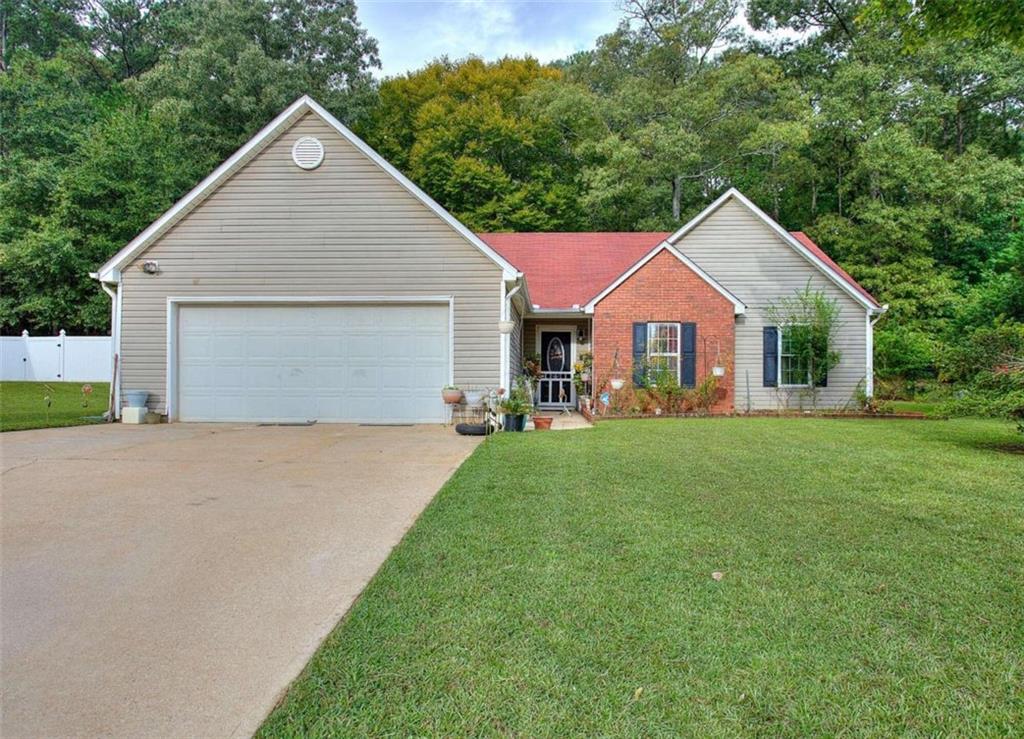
581 372
517 405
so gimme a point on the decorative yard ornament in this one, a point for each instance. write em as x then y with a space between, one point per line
605 398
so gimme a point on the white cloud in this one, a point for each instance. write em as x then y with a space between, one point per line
413 32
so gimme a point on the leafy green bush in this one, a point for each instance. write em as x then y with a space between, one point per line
904 353
988 366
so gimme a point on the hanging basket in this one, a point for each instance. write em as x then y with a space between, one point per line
506 327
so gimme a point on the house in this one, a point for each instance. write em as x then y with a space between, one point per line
306 278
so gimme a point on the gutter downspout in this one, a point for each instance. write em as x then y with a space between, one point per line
869 378
115 339
506 339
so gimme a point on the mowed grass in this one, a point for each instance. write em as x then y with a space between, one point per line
914 406
561 584
23 404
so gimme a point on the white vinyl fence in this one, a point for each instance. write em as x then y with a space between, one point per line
59 358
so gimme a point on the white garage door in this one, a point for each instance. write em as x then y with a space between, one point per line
352 364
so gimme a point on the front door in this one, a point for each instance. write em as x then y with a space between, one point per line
556 368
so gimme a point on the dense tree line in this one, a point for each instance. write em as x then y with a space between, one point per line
890 130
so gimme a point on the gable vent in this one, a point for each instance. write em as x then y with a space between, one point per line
308 152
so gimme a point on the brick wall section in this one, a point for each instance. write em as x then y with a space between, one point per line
665 289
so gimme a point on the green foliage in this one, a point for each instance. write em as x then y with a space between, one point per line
975 20
519 401
904 353
468 133
987 366
810 320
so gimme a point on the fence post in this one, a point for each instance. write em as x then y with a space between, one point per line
61 356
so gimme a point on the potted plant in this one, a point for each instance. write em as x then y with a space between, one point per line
451 394
517 406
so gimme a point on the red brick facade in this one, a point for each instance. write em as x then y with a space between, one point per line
665 289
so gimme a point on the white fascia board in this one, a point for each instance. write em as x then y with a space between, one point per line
109 271
785 235
738 307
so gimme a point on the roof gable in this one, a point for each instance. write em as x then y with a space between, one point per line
738 306
110 271
802 245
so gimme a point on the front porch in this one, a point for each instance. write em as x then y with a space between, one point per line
560 346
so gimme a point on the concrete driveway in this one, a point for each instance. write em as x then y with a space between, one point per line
173 580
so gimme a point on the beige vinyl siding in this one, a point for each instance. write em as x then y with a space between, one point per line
345 229
753 262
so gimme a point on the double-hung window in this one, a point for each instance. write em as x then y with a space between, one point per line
793 369
663 349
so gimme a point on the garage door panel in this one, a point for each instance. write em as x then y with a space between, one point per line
382 363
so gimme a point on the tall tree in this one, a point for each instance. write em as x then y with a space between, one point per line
465 133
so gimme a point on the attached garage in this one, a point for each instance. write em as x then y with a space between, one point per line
301 361
307 279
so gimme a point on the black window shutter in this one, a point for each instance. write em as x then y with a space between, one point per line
771 356
688 358
639 354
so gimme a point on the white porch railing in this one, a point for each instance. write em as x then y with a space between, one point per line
555 389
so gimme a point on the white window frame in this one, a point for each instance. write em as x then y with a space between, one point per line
778 359
678 353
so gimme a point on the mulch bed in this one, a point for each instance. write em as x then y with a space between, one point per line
909 416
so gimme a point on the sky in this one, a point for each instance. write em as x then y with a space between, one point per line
411 33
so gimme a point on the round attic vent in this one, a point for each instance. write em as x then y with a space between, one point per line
308 152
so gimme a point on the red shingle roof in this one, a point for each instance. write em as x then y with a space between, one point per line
817 251
567 269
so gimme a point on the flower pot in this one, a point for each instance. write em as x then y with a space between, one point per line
542 423
515 423
136 398
618 384
506 327
452 396
473 398
585 376
718 371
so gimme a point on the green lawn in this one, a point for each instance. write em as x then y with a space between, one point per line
23 404
560 584
913 406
